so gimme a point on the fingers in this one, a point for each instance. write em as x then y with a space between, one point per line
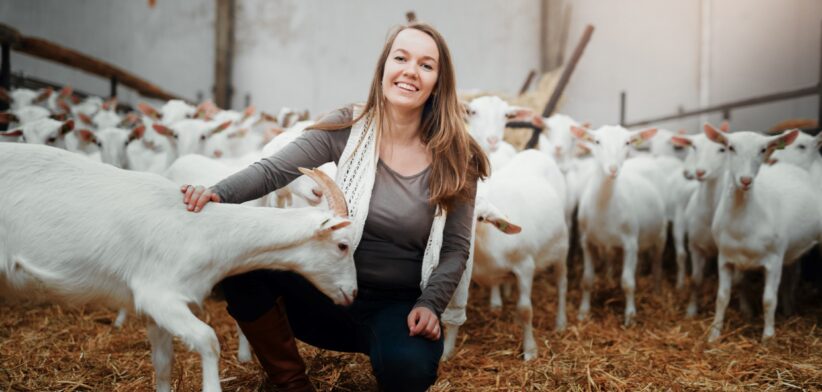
196 197
432 329
414 326
422 321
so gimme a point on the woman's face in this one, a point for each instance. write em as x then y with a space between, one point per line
411 70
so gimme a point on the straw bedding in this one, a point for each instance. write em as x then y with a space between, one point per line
59 348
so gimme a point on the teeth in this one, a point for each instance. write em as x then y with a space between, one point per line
406 86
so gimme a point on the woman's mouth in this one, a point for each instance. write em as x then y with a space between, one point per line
407 87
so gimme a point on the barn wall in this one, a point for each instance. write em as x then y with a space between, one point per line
320 54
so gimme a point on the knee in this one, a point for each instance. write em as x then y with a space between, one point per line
406 368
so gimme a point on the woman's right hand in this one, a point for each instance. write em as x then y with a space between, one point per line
196 197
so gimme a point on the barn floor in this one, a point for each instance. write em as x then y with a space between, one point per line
57 348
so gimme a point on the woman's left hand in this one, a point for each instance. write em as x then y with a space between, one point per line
422 321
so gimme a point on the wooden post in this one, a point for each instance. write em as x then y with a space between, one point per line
566 73
622 103
5 74
528 81
225 53
819 86
113 89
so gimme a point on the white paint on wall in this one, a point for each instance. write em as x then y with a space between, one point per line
321 54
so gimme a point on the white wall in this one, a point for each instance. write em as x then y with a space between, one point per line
171 45
650 49
320 54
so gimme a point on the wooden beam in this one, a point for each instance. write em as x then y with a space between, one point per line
48 50
224 41
528 81
727 107
566 73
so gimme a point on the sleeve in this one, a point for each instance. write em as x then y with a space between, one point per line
456 243
311 149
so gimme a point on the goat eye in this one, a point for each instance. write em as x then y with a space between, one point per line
175 136
762 151
202 137
801 146
342 247
722 149
731 148
596 141
99 144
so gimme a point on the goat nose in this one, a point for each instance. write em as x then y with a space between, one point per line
687 174
317 192
612 169
700 173
746 180
218 153
493 139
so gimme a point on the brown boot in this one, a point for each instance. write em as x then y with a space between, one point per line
273 342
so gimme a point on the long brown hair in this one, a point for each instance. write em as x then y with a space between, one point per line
457 161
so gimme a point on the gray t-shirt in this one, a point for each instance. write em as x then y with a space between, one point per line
389 256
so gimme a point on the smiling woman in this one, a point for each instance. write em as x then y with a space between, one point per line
409 171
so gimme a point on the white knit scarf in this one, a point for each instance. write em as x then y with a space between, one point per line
355 177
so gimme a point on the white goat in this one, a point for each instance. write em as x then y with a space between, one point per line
125 239
522 190
44 131
762 225
618 210
706 163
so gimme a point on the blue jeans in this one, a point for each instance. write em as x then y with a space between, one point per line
375 324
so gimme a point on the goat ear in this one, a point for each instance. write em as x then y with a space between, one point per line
14 133
516 113
85 118
137 133
86 136
681 141
725 126
66 91
332 224
220 128
148 110
715 135
501 224
781 141
249 111
7 117
44 95
581 133
818 140
67 127
163 130
640 136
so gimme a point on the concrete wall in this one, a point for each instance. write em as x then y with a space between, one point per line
651 50
320 54
171 45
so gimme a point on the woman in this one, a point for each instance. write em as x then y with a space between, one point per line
409 170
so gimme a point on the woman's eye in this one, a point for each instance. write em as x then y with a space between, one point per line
428 67
399 58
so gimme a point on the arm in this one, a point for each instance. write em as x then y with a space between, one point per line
311 149
446 276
